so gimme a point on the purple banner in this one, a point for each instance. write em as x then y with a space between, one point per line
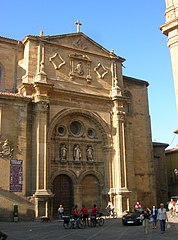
15 175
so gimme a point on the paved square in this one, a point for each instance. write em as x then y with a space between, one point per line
112 229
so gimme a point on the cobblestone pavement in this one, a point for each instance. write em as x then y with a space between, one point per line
112 229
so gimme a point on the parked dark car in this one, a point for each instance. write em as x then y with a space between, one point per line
132 218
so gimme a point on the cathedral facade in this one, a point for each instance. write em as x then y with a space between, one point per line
73 129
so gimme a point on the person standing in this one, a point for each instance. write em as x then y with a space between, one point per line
162 217
61 211
154 213
145 220
85 214
75 213
172 207
94 210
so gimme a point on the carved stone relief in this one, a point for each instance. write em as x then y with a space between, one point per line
101 70
79 44
80 66
57 61
6 150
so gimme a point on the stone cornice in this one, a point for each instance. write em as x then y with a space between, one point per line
169 26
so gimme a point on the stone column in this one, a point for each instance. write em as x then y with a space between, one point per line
118 191
42 193
119 173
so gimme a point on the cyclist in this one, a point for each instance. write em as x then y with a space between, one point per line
85 214
110 208
94 212
76 217
75 213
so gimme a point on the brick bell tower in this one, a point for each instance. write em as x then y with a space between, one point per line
170 29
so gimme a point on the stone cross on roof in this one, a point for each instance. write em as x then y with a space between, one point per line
78 23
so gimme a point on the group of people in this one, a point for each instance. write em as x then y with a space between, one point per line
79 212
152 216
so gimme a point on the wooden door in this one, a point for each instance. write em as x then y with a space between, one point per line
63 190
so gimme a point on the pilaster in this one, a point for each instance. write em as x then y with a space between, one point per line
42 193
119 177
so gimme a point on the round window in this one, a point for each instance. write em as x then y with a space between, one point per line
61 130
76 128
91 133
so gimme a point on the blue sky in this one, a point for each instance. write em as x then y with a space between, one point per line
130 27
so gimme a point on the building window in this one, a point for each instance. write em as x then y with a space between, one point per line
76 128
91 133
61 130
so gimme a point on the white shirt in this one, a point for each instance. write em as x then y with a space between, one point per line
162 215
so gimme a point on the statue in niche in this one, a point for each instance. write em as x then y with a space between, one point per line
42 67
77 153
6 150
79 68
63 152
89 153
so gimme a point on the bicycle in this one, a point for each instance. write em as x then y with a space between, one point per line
71 223
98 219
109 215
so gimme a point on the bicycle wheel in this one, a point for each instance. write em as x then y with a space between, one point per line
81 224
101 221
92 222
67 225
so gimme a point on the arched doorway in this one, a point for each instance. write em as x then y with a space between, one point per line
90 191
63 194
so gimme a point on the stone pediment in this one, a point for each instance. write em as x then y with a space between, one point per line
76 58
78 41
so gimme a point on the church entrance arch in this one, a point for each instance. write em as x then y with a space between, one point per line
63 194
90 191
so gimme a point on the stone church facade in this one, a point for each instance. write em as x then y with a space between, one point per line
73 129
